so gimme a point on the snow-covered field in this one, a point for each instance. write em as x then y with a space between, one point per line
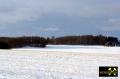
58 62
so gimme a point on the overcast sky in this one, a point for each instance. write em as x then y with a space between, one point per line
59 17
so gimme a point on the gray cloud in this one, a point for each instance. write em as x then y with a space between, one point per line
59 17
112 24
14 11
53 29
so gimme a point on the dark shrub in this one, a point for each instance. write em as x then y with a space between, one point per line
111 41
4 45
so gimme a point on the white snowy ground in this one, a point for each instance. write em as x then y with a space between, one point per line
58 62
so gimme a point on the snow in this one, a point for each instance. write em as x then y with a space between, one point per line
58 62
76 48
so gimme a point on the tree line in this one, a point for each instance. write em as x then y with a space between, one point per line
17 42
85 40
36 41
